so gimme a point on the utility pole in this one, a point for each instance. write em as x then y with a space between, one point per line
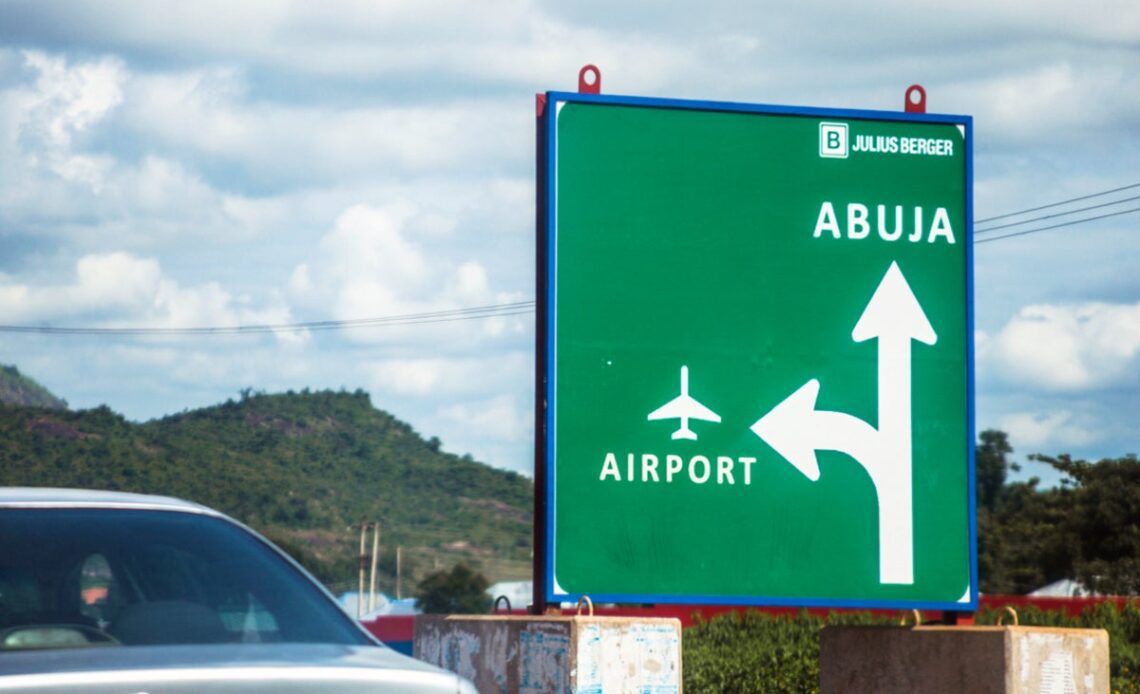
364 560
399 571
375 556
360 564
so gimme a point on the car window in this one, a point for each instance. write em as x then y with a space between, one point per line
133 577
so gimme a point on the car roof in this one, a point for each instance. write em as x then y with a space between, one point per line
91 498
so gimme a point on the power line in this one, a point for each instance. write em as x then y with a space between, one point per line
1057 204
1057 226
1057 214
471 313
527 307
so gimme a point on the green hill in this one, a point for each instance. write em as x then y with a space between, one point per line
18 389
304 468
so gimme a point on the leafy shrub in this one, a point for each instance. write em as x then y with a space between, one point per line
757 652
459 591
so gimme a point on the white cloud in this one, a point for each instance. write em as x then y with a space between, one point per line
1049 431
112 282
59 178
121 290
1049 100
492 42
115 280
461 376
1067 347
469 284
366 243
45 115
368 267
67 100
479 404
210 115
411 376
499 418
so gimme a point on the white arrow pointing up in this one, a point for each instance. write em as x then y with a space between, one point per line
796 430
895 317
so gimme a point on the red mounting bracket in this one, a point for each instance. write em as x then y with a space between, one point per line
590 80
915 101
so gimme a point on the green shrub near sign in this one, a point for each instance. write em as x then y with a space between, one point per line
754 652
757 652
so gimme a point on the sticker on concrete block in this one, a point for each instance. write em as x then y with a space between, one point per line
544 652
628 656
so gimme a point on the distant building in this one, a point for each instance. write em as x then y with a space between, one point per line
385 605
520 593
1065 588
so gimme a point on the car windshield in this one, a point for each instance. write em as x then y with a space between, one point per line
90 577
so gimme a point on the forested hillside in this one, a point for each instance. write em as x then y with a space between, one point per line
18 389
306 468
302 467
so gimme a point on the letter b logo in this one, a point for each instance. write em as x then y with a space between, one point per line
833 140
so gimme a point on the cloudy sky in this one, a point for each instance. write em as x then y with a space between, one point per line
173 165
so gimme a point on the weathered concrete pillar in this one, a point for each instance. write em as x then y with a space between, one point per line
973 659
553 654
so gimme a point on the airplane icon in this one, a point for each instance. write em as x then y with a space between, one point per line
684 408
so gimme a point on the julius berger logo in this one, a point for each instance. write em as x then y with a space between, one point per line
833 140
836 142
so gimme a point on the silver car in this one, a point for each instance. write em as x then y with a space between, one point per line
114 592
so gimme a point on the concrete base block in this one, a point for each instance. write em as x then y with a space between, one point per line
978 660
549 654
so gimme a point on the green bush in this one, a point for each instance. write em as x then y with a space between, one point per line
758 652
461 590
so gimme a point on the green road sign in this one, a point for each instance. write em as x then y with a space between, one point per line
758 368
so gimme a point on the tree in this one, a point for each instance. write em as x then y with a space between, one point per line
1103 517
1032 539
1023 539
990 467
462 590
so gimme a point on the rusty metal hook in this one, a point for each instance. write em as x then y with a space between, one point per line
495 607
589 603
